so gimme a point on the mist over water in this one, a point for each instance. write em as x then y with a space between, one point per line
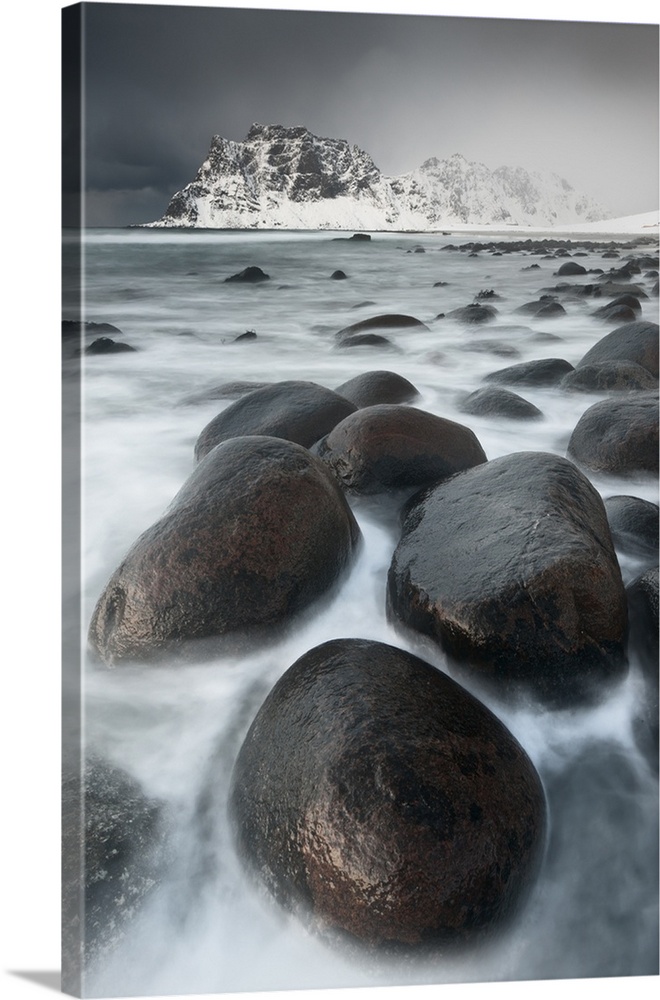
177 728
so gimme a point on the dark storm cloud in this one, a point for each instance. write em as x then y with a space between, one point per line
579 99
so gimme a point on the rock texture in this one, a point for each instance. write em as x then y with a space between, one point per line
618 435
510 568
256 534
383 803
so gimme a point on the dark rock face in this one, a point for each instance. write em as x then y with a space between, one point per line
338 276
544 372
296 411
74 327
490 401
257 533
115 857
476 312
510 568
382 802
634 525
545 307
105 345
636 342
387 321
643 644
570 267
631 301
614 376
375 387
366 340
249 275
618 436
398 447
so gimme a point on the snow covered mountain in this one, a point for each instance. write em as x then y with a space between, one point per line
285 177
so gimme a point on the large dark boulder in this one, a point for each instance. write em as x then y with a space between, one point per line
249 275
257 533
610 376
386 321
618 435
296 411
633 525
570 267
397 447
543 372
493 402
375 387
637 341
510 568
383 803
114 852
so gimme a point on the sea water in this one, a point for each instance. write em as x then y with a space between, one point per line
177 729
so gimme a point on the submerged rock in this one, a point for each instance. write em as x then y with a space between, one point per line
386 321
258 532
383 803
637 342
105 345
510 568
296 411
613 376
491 401
618 436
249 275
544 372
397 447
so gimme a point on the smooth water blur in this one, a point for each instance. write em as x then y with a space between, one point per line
178 729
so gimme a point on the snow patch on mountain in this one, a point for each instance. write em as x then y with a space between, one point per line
283 177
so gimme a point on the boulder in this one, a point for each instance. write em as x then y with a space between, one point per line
510 568
371 388
338 276
113 856
570 267
543 372
634 525
544 308
367 340
384 804
637 342
387 321
612 376
296 411
249 275
493 402
105 345
474 313
618 435
258 532
606 312
397 447
643 646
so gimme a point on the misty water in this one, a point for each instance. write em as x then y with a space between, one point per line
177 728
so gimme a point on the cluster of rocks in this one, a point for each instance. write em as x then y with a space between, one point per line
374 795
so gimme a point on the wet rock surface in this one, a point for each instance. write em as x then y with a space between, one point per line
491 401
618 436
375 387
510 568
544 372
296 411
634 525
613 376
397 447
637 341
383 803
256 534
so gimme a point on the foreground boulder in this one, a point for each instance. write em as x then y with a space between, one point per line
296 411
382 802
542 372
114 855
397 447
258 532
636 341
510 568
371 388
618 436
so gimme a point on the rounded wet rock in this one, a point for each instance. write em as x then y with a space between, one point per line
543 372
611 376
634 525
371 388
494 402
637 342
386 321
618 435
301 412
395 811
643 646
397 447
510 568
258 532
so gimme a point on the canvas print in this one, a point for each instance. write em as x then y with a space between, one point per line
360 409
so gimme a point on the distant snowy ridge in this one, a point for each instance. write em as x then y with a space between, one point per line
287 178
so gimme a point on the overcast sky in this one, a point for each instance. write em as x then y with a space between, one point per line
579 99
